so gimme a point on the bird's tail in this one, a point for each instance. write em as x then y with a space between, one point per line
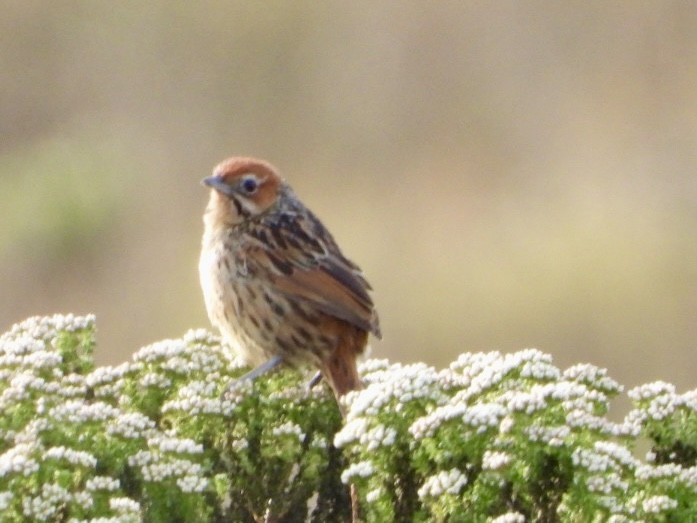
339 368
340 371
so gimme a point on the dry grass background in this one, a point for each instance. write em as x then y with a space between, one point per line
508 174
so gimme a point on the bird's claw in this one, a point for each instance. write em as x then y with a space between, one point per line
314 381
251 375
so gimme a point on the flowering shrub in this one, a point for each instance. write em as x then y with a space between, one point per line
502 438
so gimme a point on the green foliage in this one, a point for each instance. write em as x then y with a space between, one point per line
493 438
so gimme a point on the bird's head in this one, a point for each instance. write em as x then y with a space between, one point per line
242 188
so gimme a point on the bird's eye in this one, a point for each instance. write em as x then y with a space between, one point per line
249 185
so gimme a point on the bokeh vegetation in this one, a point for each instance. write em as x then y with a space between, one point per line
508 174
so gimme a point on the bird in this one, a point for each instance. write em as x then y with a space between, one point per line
275 282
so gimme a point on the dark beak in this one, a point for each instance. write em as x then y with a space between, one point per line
217 183
211 181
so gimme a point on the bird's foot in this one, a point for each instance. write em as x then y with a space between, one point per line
314 381
251 375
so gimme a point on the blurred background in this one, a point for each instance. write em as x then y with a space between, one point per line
508 174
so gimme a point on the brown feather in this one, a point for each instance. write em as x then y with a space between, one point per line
329 296
339 368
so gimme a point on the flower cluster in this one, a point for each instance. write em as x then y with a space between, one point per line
170 435
495 429
70 439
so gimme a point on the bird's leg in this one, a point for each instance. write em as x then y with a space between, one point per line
262 369
314 381
254 373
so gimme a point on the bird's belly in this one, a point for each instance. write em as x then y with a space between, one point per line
256 320
222 305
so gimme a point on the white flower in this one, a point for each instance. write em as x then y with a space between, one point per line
445 482
527 402
379 436
494 460
591 461
175 445
84 499
198 397
102 483
130 425
593 376
46 327
42 360
606 484
106 375
689 399
552 436
396 385
669 470
46 505
480 372
164 350
506 425
540 370
509 517
656 504
155 380
289 428
5 500
351 431
662 406
617 452
362 469
633 423
124 505
373 495
582 419
18 459
76 411
480 416
689 476
238 445
75 457
651 390
141 458
192 483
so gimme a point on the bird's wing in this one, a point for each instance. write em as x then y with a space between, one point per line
305 263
